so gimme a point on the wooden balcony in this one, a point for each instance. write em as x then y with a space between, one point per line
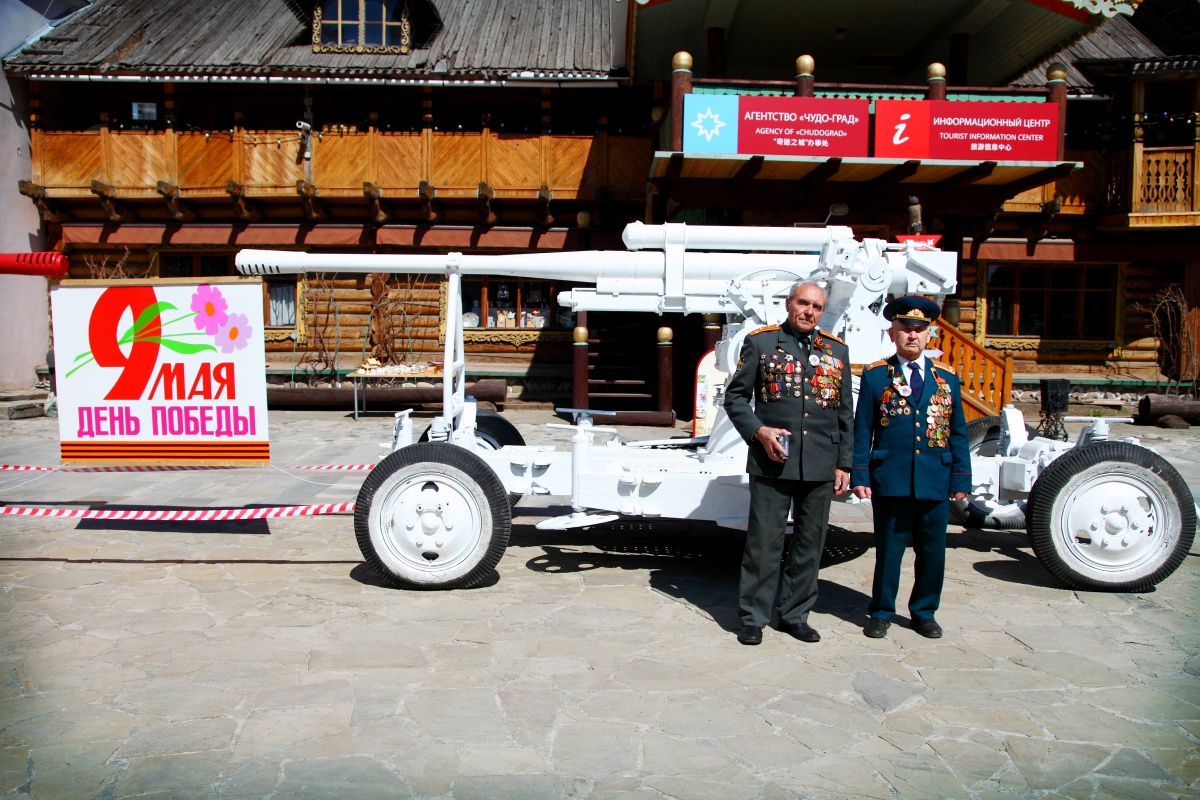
1144 187
268 164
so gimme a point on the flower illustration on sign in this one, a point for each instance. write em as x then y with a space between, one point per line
210 310
235 333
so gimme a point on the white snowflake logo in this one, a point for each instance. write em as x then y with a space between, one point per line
706 132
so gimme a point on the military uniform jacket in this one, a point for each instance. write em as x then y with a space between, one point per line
779 385
906 446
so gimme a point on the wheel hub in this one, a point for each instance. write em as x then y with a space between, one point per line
424 520
1112 521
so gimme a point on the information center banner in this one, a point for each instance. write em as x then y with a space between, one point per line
781 126
966 130
171 372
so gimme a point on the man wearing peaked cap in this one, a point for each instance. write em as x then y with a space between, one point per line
910 459
913 311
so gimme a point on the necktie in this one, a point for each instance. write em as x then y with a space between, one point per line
917 382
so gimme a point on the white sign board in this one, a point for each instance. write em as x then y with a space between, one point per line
169 371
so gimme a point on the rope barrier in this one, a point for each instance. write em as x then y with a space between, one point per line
182 515
150 468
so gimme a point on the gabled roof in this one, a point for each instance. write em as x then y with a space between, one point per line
259 38
1159 41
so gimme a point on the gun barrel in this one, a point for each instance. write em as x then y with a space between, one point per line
727 237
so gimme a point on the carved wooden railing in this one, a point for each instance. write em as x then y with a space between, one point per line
1166 180
1153 180
986 380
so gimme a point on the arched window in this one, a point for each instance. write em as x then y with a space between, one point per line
362 26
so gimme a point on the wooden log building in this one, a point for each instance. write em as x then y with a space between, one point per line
167 136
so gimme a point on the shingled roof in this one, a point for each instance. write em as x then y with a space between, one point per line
487 39
1161 40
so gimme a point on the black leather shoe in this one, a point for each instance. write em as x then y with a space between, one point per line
750 634
800 630
927 628
876 628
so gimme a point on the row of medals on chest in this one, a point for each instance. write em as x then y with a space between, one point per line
781 375
895 402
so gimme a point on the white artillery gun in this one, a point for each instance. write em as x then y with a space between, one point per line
437 513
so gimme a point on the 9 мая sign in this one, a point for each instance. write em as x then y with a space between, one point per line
167 372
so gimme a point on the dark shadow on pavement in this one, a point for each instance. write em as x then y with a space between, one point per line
696 563
365 574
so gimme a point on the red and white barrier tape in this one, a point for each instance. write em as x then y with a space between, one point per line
149 468
182 515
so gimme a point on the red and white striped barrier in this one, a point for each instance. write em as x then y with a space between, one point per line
148 468
182 515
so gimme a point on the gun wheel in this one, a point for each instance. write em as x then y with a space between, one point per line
492 432
432 516
1111 517
983 434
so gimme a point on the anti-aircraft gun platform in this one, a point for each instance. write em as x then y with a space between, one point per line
437 513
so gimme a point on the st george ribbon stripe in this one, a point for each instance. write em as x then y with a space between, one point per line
152 468
183 514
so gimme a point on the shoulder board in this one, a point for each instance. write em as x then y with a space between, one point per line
880 363
763 329
831 337
944 367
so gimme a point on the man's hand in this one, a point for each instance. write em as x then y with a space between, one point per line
841 481
959 496
862 492
768 438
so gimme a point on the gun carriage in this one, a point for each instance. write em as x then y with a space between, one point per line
436 513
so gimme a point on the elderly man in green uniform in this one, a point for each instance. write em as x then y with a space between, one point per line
910 458
790 399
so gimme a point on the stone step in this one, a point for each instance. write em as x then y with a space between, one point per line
24 394
20 409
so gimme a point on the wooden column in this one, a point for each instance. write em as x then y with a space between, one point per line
1137 166
712 331
1056 92
805 66
35 130
681 84
579 362
935 77
1196 149
666 371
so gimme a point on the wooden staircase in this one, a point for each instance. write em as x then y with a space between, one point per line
986 380
625 372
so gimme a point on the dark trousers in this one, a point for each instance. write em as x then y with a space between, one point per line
896 520
770 499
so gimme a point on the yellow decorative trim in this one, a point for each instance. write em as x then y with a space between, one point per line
1115 345
1033 343
405 36
300 331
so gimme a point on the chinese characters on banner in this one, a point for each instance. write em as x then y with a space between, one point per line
785 126
836 127
168 373
970 131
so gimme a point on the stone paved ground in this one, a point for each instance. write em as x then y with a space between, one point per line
265 660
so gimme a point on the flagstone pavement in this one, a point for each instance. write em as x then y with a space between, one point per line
265 660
